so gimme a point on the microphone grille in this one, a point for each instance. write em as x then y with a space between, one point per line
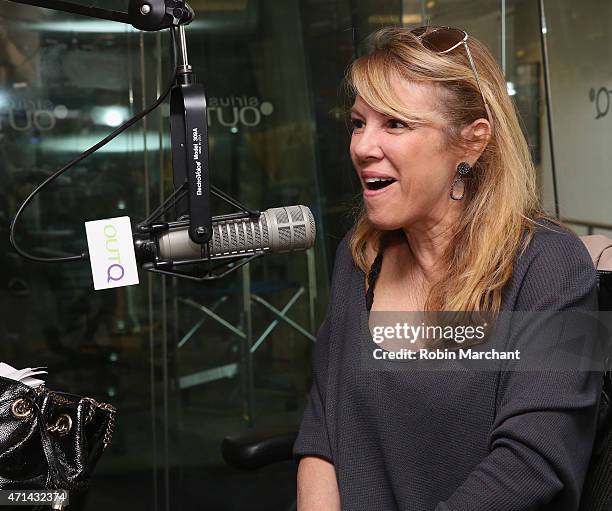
264 233
239 236
281 214
310 227
296 213
291 228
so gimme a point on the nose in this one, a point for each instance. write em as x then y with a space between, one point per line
366 146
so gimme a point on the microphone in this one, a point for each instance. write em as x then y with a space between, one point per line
279 230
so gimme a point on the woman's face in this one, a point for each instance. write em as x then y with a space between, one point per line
405 171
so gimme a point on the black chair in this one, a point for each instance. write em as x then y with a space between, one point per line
256 448
597 491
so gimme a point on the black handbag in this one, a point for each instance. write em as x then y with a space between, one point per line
50 440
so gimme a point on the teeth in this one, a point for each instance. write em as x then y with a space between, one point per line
377 179
378 183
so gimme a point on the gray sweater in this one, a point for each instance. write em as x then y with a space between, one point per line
463 440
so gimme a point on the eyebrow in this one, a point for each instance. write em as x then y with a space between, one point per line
416 120
355 111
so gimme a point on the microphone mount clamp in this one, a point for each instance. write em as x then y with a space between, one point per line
148 231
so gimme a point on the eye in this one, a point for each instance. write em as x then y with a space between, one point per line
356 124
395 124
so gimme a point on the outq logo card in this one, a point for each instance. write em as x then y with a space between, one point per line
111 252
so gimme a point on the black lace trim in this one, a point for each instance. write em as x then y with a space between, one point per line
372 277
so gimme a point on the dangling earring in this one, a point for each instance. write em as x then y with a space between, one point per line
458 187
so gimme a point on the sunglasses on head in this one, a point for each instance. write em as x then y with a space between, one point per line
442 40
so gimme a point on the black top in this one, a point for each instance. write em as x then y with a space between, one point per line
451 440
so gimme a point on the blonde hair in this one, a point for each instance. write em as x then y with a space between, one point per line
501 199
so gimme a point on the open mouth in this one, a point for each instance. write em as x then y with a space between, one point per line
378 183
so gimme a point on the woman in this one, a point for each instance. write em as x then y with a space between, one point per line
450 223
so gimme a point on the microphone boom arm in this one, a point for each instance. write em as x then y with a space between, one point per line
92 12
148 15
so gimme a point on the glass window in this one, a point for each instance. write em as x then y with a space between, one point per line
187 363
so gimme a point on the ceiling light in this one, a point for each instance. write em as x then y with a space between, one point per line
383 19
411 19
111 116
